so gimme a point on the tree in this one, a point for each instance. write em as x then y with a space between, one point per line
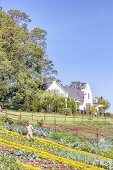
72 105
92 110
23 59
76 84
19 17
103 103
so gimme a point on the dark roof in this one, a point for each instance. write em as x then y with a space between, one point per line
74 93
83 86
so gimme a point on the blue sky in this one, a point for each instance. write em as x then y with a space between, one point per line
79 41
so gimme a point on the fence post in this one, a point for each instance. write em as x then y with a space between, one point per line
55 124
6 112
65 117
97 134
32 116
54 118
44 117
105 118
73 118
20 116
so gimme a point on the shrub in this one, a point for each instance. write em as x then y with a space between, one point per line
40 123
64 136
66 111
21 122
7 119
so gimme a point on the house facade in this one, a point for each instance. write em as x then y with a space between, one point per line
83 96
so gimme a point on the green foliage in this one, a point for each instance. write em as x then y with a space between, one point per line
7 119
11 121
47 100
17 101
20 122
91 110
72 105
9 163
40 123
2 123
104 104
64 136
18 16
66 111
24 65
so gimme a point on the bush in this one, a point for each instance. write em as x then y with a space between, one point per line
72 105
9 163
40 123
66 111
64 136
7 105
7 119
21 122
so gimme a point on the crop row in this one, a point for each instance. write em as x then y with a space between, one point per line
49 156
60 150
56 145
8 161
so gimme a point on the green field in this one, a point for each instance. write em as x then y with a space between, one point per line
52 118
81 125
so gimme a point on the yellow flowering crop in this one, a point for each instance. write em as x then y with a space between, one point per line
49 156
44 141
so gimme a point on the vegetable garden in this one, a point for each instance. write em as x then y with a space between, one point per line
51 150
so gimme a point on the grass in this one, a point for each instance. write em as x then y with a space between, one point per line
51 118
81 125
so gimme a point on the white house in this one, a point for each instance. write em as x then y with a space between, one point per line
83 96
88 97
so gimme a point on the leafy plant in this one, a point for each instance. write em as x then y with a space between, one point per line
66 111
40 123
7 119
7 163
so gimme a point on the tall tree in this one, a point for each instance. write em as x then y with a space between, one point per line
19 17
76 84
23 59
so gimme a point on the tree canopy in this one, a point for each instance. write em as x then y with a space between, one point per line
76 84
25 66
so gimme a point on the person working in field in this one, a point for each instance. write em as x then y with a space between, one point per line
29 131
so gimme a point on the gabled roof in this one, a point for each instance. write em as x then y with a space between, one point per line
59 85
74 93
83 86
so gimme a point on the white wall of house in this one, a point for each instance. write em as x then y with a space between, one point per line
88 97
81 106
56 86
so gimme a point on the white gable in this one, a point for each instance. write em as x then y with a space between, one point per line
88 98
56 86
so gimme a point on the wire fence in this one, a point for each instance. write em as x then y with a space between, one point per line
55 117
65 123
